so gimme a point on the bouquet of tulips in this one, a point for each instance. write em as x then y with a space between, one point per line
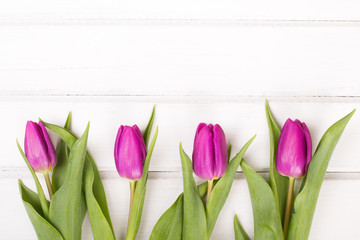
75 187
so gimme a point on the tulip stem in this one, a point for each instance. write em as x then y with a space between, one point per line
48 184
210 185
132 192
288 209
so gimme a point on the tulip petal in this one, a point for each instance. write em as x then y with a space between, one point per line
50 148
308 146
141 139
220 152
117 144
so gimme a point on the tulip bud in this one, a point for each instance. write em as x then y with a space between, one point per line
210 157
38 148
130 152
294 149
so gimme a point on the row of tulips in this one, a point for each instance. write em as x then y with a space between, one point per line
76 185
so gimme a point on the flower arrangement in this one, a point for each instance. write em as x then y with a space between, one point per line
75 186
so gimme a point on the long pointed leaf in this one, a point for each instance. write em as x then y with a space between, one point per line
267 221
43 201
62 153
147 132
222 189
278 183
97 191
65 207
170 227
194 225
305 202
59 172
100 227
239 231
139 196
44 230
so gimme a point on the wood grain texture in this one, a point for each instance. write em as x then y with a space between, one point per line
107 10
180 59
213 61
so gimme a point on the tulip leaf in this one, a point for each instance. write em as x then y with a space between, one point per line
100 226
60 169
194 221
65 207
278 183
147 132
62 153
170 224
229 152
222 188
44 230
267 221
139 196
240 233
44 203
97 191
305 201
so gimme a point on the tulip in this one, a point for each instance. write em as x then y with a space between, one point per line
210 156
293 157
39 150
130 152
294 149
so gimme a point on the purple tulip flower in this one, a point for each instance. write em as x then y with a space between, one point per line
130 152
210 157
38 148
294 149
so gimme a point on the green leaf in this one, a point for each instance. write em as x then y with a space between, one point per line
267 221
170 224
97 191
194 221
100 227
147 132
44 203
44 230
229 152
240 233
139 196
278 183
65 207
62 153
305 202
60 169
222 188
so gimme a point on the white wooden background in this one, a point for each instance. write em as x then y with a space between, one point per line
213 61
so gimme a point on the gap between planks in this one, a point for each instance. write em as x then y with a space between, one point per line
14 21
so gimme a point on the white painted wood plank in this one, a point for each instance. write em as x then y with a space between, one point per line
177 119
185 9
180 59
333 218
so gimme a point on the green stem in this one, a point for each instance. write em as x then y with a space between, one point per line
132 192
48 184
210 185
288 209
